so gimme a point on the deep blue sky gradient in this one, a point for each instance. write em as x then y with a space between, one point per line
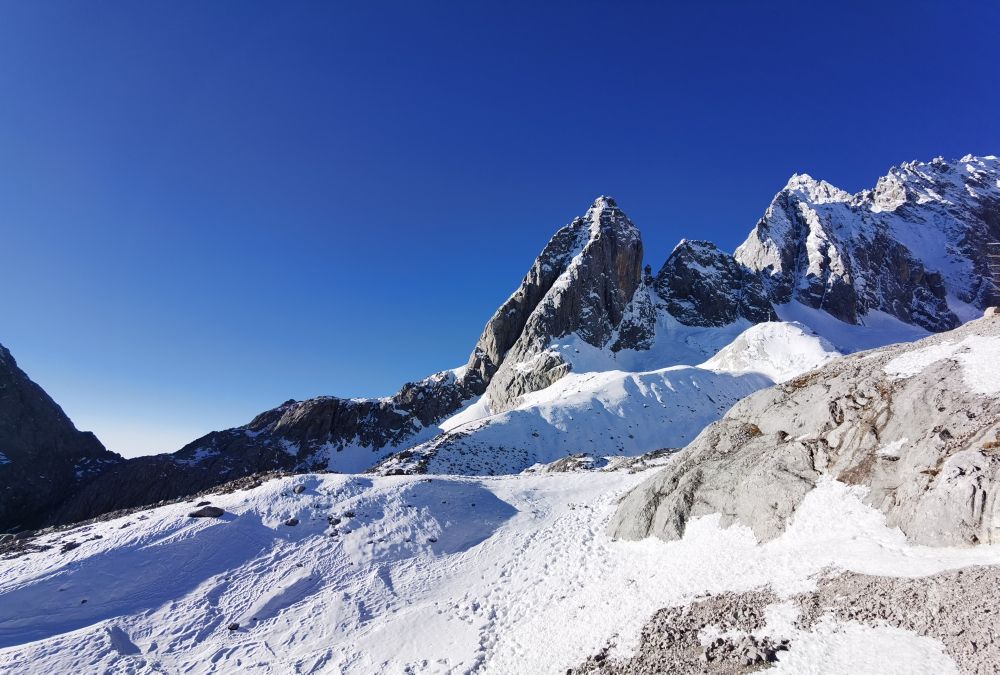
207 208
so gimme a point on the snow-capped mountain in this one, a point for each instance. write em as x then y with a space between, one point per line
832 522
593 353
913 247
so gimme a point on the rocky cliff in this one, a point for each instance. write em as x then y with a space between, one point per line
43 457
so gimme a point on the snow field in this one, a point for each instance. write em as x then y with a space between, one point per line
454 575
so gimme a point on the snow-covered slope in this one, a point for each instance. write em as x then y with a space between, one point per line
600 412
449 575
777 350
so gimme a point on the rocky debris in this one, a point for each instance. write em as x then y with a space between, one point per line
207 512
20 544
233 626
956 608
703 286
746 650
586 462
959 608
43 457
299 489
570 463
203 503
672 641
924 444
292 522
69 546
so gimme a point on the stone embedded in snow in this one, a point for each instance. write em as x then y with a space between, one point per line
292 522
299 489
206 512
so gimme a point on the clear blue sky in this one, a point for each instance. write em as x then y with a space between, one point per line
207 208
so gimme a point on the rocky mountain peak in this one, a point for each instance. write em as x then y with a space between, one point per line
581 283
702 285
818 191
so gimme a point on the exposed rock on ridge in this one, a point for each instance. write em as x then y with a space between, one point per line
703 286
590 272
914 423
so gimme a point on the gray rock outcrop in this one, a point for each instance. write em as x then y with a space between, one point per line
582 283
925 443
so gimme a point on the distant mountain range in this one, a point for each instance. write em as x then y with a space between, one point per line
592 353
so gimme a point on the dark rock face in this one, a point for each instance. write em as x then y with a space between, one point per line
43 457
597 261
703 286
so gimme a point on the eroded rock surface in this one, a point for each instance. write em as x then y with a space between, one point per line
917 424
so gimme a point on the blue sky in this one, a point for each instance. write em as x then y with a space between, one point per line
209 208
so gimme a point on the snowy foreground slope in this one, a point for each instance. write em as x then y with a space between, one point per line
506 575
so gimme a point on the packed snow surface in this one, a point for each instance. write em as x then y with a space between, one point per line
442 575
778 350
877 329
978 356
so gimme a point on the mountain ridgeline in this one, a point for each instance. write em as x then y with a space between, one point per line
913 250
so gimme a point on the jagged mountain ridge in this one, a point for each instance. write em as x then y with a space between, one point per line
816 245
913 247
